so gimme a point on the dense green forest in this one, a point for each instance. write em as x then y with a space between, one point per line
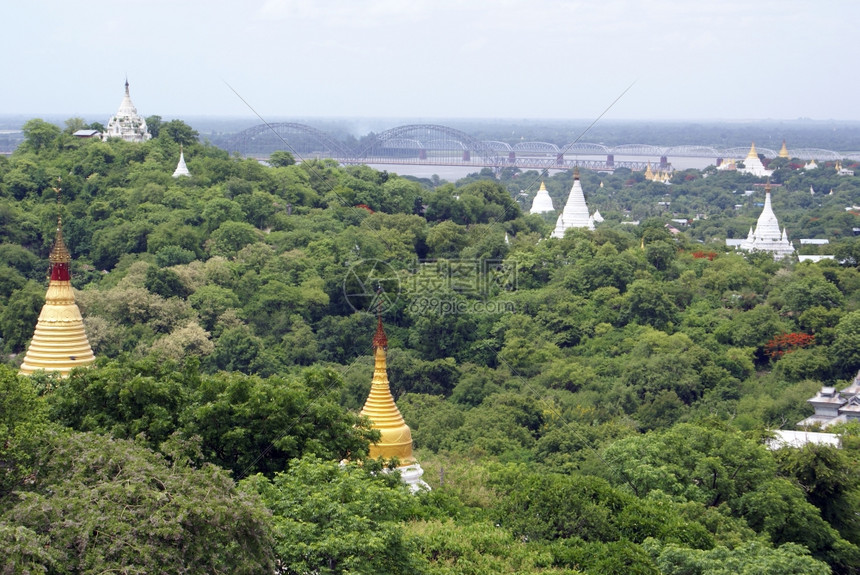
595 404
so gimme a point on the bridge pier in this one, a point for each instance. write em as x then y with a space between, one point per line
467 156
422 154
512 157
664 163
610 161
559 160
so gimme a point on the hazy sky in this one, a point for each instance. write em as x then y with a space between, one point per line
689 59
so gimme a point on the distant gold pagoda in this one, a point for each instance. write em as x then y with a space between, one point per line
60 343
783 152
395 441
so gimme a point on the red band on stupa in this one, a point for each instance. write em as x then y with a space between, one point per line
60 272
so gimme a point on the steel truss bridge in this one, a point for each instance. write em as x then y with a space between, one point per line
431 144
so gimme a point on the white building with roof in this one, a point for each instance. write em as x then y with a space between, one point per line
127 124
832 406
797 439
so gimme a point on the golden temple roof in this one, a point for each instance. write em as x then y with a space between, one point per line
395 439
59 343
783 152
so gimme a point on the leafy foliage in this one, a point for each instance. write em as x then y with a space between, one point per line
592 403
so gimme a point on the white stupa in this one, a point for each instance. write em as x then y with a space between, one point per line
181 168
542 202
127 123
766 236
575 212
753 165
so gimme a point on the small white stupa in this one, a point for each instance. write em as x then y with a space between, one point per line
575 212
753 165
766 237
181 168
542 202
127 123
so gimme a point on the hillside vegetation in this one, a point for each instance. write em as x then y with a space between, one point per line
593 404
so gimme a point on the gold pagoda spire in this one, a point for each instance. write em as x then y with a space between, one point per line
59 343
783 151
753 153
649 175
395 439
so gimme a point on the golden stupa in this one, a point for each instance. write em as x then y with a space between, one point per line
395 439
783 152
60 343
753 155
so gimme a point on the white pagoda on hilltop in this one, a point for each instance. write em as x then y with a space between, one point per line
766 236
542 202
575 212
127 124
753 165
181 169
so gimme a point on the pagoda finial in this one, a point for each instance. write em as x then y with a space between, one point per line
380 340
576 172
59 252
126 85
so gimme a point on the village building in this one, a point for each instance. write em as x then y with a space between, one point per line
832 406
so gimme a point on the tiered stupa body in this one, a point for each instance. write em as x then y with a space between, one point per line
575 212
783 151
60 343
542 202
767 237
181 168
753 165
127 124
395 439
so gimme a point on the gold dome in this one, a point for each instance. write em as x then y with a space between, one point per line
395 436
59 343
